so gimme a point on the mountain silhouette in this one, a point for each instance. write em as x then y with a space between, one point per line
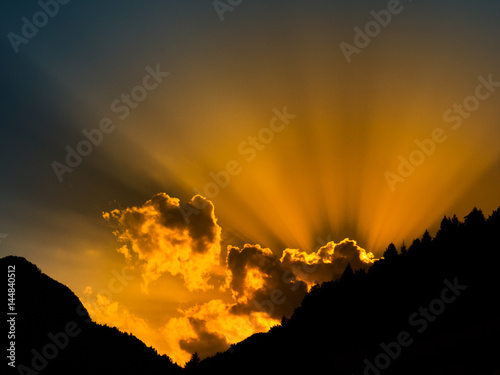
54 334
430 308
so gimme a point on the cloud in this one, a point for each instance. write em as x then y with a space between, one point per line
206 343
264 287
165 236
259 281
211 327
104 310
328 263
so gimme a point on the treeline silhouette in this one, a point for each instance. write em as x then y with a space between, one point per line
54 334
340 325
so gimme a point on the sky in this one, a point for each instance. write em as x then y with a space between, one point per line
190 169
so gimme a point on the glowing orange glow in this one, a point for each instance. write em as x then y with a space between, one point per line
173 250
218 320
103 310
254 280
324 173
328 262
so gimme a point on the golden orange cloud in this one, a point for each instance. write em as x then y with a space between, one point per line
328 263
165 236
211 327
259 281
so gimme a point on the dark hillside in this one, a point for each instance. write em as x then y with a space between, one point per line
54 334
439 297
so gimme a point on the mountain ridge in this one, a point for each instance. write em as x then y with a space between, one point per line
55 335
428 308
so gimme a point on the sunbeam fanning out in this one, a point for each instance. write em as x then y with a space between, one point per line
343 174
193 169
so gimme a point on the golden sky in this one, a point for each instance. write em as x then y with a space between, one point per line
301 157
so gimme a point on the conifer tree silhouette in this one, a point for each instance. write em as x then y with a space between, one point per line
390 253
347 275
404 249
193 362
